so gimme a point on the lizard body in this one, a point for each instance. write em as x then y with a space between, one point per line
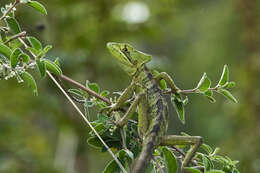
151 104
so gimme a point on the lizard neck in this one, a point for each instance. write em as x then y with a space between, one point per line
144 77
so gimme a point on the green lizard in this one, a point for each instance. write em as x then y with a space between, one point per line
151 104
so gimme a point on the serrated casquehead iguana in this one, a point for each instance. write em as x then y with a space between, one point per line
151 104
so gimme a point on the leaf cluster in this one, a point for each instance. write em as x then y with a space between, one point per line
16 56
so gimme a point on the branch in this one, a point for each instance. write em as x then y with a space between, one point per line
9 9
19 35
90 92
195 90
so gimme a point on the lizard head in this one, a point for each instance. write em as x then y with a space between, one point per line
129 58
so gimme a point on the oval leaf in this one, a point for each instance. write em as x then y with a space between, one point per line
94 87
3 35
6 51
29 80
230 85
216 171
207 163
15 57
46 49
52 67
37 6
179 107
163 84
111 167
207 148
170 159
228 95
33 50
193 170
36 44
24 57
42 67
204 83
104 93
94 142
224 77
13 25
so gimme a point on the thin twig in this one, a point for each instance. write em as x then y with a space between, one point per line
65 89
195 90
9 9
79 85
21 34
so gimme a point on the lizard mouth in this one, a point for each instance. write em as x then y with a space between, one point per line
119 53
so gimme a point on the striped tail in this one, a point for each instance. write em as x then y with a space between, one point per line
146 154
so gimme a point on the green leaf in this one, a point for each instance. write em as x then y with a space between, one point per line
185 101
211 99
215 171
57 61
37 6
94 87
129 154
204 83
29 80
112 167
94 142
170 159
52 67
24 57
163 84
76 92
46 49
207 148
193 170
179 107
208 93
207 163
230 85
14 57
33 50
13 25
227 94
104 93
3 35
42 67
6 51
36 44
224 77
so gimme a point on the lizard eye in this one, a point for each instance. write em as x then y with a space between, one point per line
124 49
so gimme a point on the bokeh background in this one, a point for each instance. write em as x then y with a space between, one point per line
185 38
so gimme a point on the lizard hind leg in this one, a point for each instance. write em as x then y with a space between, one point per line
172 140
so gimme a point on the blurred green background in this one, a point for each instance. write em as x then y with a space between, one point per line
185 38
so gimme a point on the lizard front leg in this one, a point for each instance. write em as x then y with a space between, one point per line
168 79
171 140
124 96
130 111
